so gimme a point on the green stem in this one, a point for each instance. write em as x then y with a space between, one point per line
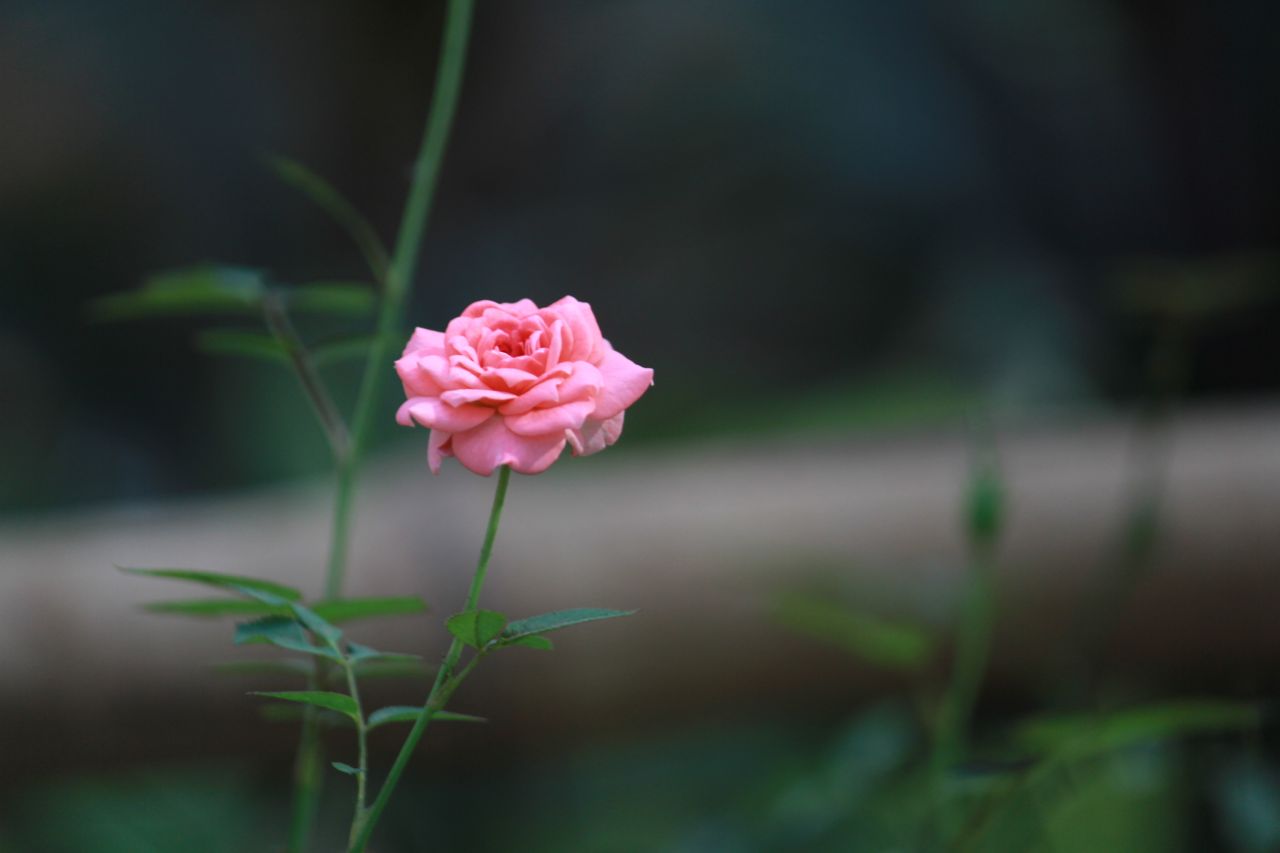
972 650
335 429
306 776
446 682
399 275
973 646
404 261
362 741
340 524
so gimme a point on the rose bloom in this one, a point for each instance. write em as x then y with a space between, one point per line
512 384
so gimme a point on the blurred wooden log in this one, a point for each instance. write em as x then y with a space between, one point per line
698 537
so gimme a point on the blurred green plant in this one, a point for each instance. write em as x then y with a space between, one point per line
213 290
1110 779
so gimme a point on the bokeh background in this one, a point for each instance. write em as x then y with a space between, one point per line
842 233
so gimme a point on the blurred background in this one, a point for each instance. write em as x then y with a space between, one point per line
858 242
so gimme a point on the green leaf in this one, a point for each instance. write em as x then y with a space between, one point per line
476 628
280 712
336 297
340 610
195 290
281 631
343 349
316 624
409 714
213 607
895 645
309 618
256 345
235 583
533 641
343 212
264 667
340 702
1077 735
558 619
269 630
290 712
346 768
360 653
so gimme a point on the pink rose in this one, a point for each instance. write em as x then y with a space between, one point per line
512 384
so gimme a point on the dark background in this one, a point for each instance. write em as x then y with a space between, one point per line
817 219
767 202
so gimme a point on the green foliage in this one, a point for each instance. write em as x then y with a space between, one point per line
985 505
894 645
410 713
340 702
313 622
476 628
358 653
345 768
255 345
342 298
205 289
532 641
1079 735
342 610
281 631
305 616
332 352
233 583
214 607
554 621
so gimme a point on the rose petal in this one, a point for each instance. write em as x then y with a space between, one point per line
436 414
437 369
508 379
437 449
585 381
624 382
587 344
425 342
491 444
595 435
464 396
417 381
542 394
555 419
555 346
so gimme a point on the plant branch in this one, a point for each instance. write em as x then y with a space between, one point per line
335 429
404 260
446 681
306 775
362 741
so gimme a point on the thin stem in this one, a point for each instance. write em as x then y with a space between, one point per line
362 741
446 682
486 549
340 524
396 288
972 650
306 775
335 429
404 261
973 647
